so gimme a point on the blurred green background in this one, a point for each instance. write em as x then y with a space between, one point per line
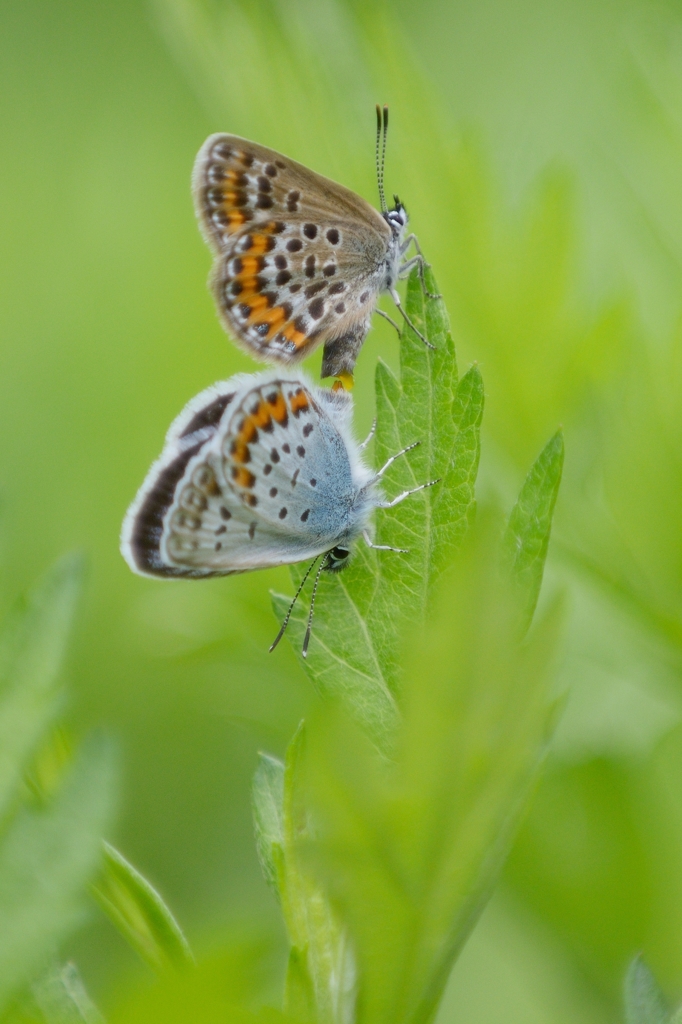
538 148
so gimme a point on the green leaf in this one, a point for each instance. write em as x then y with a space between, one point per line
644 1003
32 647
409 849
527 535
47 858
268 810
362 613
139 913
62 998
321 973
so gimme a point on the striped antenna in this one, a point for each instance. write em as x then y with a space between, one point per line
291 608
382 122
306 640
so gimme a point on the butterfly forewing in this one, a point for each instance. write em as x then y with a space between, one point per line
299 258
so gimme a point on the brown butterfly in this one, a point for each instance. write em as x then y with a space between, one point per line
300 261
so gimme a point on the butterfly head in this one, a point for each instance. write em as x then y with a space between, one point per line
396 218
336 559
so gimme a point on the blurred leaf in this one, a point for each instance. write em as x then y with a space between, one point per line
268 810
409 850
644 1002
527 535
32 647
321 973
627 539
223 986
517 302
52 760
62 998
47 857
362 612
139 913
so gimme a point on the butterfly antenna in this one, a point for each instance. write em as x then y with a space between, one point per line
323 563
383 150
380 163
291 608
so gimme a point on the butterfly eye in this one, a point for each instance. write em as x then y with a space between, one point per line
336 559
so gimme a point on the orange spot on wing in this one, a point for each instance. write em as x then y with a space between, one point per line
299 401
272 316
250 267
257 303
291 334
247 431
262 416
259 245
278 407
236 218
240 451
242 477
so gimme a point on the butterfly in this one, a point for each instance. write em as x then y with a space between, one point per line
300 261
257 471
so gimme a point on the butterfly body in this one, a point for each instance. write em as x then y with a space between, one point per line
257 471
300 260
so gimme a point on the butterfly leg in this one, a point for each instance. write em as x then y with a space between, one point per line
387 317
413 240
389 462
383 547
369 436
396 299
405 494
418 261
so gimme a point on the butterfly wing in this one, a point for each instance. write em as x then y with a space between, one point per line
299 259
266 481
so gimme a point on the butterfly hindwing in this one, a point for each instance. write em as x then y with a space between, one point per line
267 483
299 259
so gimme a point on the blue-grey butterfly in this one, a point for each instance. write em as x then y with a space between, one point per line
257 471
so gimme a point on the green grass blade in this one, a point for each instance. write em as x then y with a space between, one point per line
321 973
32 648
644 1003
527 534
47 857
139 913
268 809
62 998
